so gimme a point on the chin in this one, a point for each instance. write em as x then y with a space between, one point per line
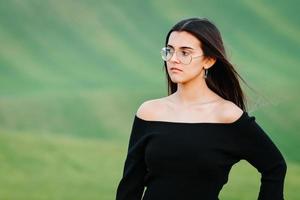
177 80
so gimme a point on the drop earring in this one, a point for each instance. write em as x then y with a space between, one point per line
205 73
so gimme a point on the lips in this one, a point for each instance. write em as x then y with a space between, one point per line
175 69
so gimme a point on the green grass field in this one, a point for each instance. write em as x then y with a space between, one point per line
73 73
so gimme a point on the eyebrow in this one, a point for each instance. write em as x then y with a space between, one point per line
183 47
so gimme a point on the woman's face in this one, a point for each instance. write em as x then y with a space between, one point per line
185 44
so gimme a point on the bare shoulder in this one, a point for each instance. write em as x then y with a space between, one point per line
148 110
230 111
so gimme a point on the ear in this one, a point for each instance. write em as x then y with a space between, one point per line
209 61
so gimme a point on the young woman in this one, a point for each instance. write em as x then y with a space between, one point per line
183 146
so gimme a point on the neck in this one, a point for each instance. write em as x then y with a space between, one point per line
194 92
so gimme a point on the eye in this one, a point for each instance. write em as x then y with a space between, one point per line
185 53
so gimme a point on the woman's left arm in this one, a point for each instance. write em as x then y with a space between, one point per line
258 149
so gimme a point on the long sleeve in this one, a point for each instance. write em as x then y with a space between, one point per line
259 150
131 186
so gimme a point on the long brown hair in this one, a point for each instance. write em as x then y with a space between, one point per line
222 78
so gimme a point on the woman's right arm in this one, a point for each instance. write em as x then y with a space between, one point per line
131 186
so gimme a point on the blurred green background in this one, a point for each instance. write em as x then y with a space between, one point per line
73 73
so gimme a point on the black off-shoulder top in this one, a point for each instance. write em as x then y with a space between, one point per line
192 160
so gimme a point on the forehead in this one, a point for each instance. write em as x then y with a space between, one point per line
179 39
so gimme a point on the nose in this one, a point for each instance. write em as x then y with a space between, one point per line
174 58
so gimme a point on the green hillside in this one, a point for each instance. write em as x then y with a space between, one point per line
72 74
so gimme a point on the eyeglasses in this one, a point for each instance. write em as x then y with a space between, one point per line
183 56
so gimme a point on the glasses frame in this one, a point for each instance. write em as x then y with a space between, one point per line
175 52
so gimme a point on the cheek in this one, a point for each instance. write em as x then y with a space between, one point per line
194 69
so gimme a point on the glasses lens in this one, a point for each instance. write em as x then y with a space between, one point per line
166 53
184 57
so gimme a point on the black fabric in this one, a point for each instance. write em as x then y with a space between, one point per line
187 160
